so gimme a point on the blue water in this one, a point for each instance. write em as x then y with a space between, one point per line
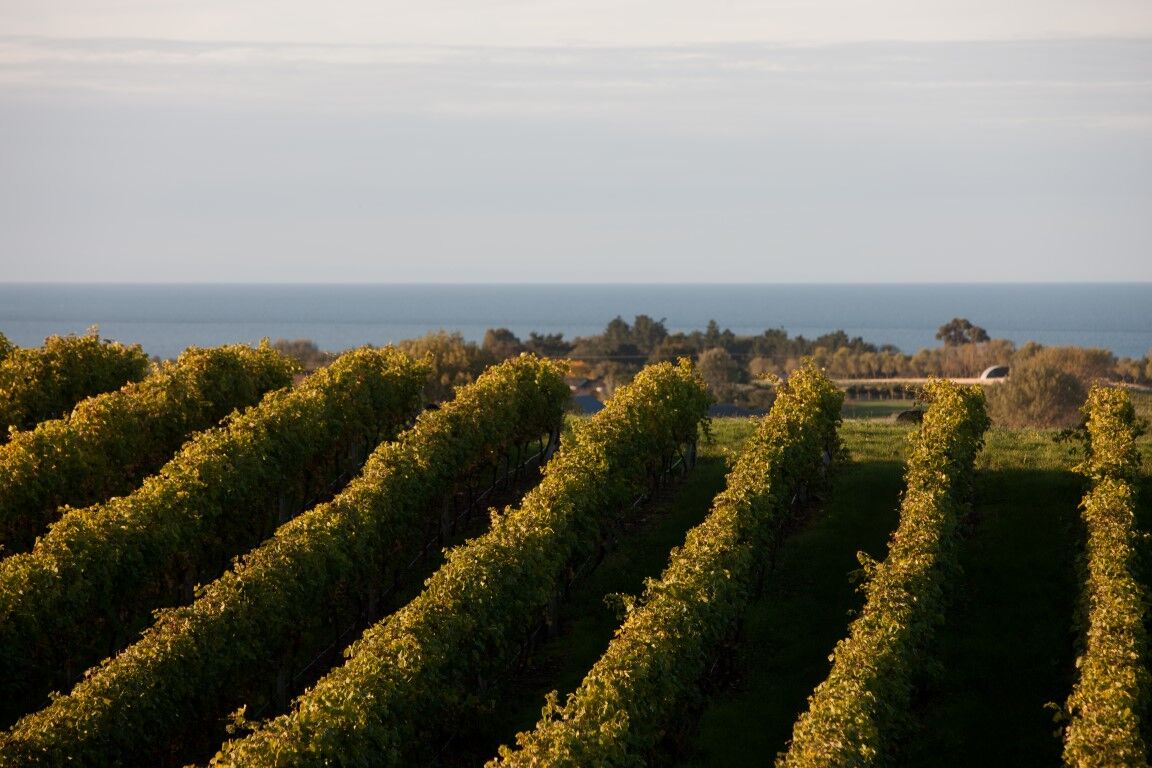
165 319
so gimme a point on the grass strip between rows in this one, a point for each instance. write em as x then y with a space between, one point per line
653 666
1110 696
91 582
853 714
110 442
411 676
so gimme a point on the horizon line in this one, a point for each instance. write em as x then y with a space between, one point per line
549 283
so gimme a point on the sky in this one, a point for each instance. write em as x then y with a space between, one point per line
592 141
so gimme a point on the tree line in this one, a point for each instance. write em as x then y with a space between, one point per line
1046 386
623 348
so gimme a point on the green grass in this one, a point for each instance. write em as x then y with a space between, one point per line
1008 645
1006 649
805 606
1010 642
875 409
1142 402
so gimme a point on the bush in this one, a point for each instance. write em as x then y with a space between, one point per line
1037 395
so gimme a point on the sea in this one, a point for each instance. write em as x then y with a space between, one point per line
166 318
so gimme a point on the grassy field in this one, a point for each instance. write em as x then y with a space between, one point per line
1007 648
875 409
805 605
812 570
1008 645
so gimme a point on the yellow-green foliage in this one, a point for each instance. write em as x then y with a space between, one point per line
1110 697
653 665
275 610
44 383
111 441
852 713
6 348
91 582
424 666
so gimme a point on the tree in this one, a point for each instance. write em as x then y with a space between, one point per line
714 337
617 333
773 345
672 348
547 344
454 362
305 352
959 330
647 334
720 371
712 334
501 343
761 367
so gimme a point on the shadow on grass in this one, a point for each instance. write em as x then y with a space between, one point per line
805 607
586 623
1008 644
1006 649
875 409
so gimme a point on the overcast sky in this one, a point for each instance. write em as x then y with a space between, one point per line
593 141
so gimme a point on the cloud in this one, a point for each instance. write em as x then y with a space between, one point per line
160 159
1093 81
503 23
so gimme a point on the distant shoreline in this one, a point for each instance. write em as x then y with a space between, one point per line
577 284
166 318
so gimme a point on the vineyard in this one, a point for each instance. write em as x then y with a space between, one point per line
204 563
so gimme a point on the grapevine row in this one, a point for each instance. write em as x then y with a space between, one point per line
1110 696
854 711
653 665
285 600
110 442
90 583
421 668
43 383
